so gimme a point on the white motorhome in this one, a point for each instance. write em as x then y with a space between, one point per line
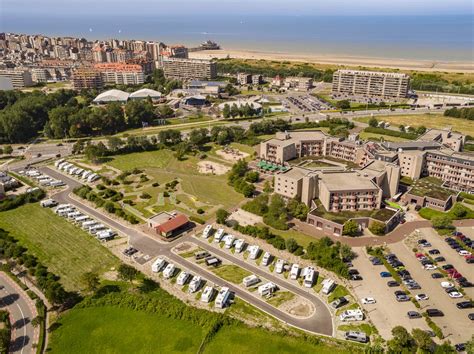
207 231
267 289
222 298
309 277
79 171
81 219
280 266
86 174
58 162
183 278
57 183
254 251
48 203
169 271
207 294
294 271
229 242
62 206
89 223
328 286
239 245
93 177
106 235
64 212
352 315
96 228
195 284
158 265
266 259
218 235
73 214
250 280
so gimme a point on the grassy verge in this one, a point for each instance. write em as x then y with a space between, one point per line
281 297
338 292
428 213
363 327
231 273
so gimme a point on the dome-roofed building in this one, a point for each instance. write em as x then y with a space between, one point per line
112 96
195 101
145 93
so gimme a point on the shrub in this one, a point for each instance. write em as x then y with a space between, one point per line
200 211
221 216
145 195
197 220
377 228
155 184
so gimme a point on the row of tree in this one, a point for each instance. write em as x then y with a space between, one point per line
463 113
233 111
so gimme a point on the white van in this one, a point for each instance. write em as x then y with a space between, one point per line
183 278
266 259
207 231
169 271
218 235
222 298
229 242
250 280
207 294
195 284
239 245
294 271
158 265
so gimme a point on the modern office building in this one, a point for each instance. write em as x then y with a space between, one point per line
20 78
189 69
370 83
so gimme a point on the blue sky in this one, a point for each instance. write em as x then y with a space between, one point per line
296 7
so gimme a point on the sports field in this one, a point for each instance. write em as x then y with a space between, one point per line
429 120
65 249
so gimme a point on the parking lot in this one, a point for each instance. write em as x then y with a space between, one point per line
387 312
455 324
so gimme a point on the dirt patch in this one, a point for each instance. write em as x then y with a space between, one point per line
210 167
245 218
233 155
297 307
184 247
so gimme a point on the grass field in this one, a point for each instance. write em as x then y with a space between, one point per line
428 213
300 237
363 327
231 273
119 330
372 136
239 339
65 249
429 120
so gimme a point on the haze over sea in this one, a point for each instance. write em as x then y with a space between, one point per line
443 38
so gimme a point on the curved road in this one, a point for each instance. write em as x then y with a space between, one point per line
320 322
22 311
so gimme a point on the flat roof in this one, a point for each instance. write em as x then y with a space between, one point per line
296 173
412 145
343 181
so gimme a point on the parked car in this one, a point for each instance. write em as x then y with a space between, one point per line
455 295
368 300
413 314
440 259
460 347
392 284
434 251
385 274
437 275
420 297
471 316
465 305
434 313
430 267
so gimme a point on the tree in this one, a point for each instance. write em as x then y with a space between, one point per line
148 285
401 127
181 150
470 345
377 228
226 111
422 339
90 281
95 152
343 104
267 187
373 122
459 211
420 130
346 252
292 245
127 273
164 111
35 322
139 112
114 143
221 216
442 222
350 228
402 341
198 137
8 150
252 176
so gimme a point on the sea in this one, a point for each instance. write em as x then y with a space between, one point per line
437 38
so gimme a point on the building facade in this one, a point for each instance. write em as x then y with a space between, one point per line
189 69
19 78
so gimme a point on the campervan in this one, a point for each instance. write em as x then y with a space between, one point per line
89 223
48 203
158 265
169 271
96 228
328 286
266 259
195 284
105 235
218 235
222 298
73 214
355 336
207 294
254 251
280 265
81 219
309 277
207 231
229 242
239 245
352 315
250 280
183 278
86 174
267 289
294 271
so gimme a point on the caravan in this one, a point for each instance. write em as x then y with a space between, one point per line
328 286
81 219
183 278
93 229
207 294
218 236
74 214
280 266
195 284
267 289
158 265
87 224
207 231
352 315
48 203
222 298
294 271
58 162
309 277
250 280
169 271
106 235
239 245
266 259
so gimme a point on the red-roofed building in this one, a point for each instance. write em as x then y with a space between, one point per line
169 224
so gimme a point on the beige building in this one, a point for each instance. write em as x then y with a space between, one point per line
299 83
189 69
19 78
85 78
370 83
121 74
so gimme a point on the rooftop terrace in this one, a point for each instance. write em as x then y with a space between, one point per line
430 187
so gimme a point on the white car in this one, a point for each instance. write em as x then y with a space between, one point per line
455 295
368 300
430 267
464 253
447 284
420 297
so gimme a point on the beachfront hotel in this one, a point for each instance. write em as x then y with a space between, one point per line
370 83
189 69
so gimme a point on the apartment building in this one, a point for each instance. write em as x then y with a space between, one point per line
244 79
299 83
257 79
86 78
19 78
452 140
189 69
121 74
370 83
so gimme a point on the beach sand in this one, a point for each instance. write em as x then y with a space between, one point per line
330 60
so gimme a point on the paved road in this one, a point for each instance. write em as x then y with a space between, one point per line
22 311
320 322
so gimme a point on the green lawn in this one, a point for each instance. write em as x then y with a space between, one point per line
240 339
339 291
300 237
231 273
65 249
121 330
377 137
429 213
280 297
363 327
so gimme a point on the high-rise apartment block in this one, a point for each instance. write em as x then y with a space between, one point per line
189 69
